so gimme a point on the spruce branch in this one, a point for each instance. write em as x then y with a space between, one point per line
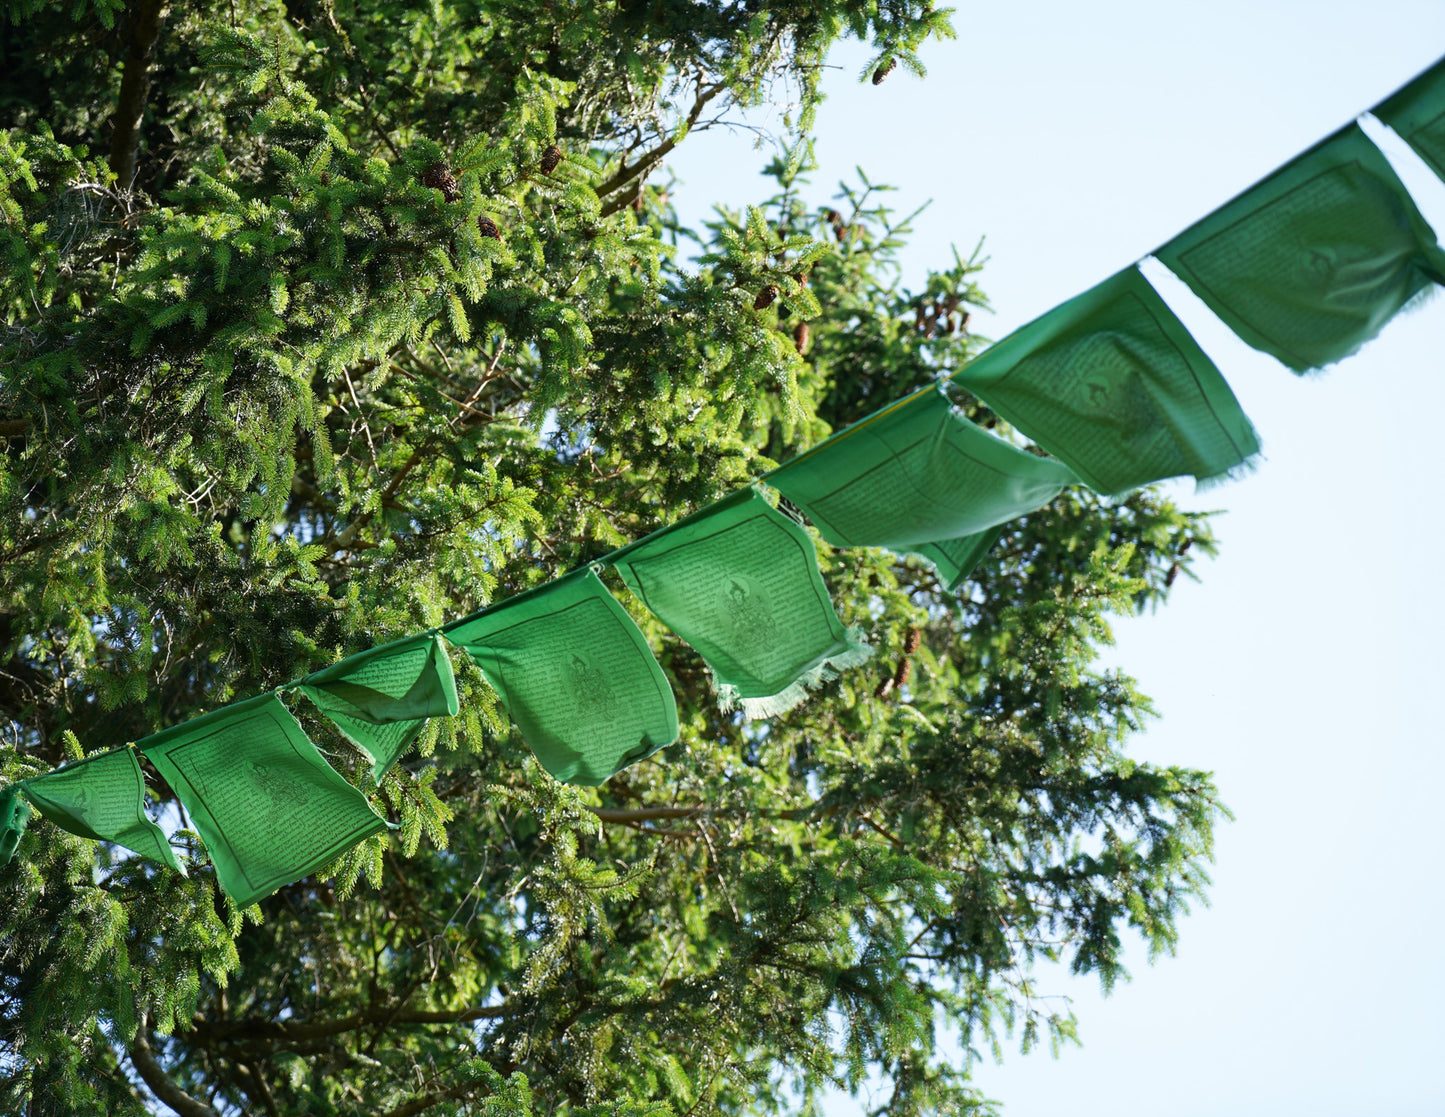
425 1101
257 1030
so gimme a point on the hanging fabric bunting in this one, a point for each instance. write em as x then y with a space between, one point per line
1311 263
266 804
103 798
739 582
14 814
1113 384
918 477
1417 113
955 559
379 699
575 674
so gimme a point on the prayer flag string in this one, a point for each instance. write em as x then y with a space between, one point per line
1306 265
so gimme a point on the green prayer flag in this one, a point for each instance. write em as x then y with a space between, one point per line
576 675
739 582
1113 384
955 559
379 699
268 807
14 813
103 798
918 477
1417 113
1310 264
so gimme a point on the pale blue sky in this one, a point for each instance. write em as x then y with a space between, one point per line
1304 669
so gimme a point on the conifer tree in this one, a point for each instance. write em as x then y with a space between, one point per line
329 320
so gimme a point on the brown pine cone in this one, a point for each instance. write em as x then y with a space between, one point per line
800 337
880 74
900 676
488 228
765 297
551 159
882 689
439 177
912 640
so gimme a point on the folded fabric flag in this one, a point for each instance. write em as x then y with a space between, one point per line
103 798
576 675
1113 384
14 813
1417 113
918 477
379 699
1311 263
266 804
955 559
739 582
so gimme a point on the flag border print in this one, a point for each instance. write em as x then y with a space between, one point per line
1270 191
340 671
270 707
995 365
45 804
1409 112
846 648
531 606
952 571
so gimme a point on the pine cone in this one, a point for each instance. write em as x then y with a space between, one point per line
488 228
800 337
551 158
882 689
880 75
832 217
765 297
900 676
1173 573
439 177
912 640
